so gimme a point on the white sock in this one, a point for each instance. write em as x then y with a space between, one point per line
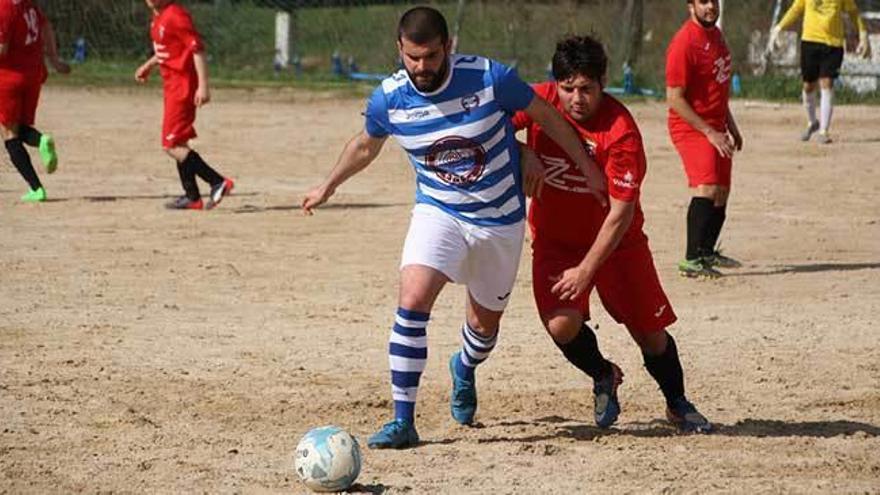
810 106
825 109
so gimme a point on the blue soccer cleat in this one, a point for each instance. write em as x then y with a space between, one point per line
398 434
686 418
607 407
463 403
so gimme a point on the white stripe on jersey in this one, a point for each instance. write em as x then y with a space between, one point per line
453 198
467 130
466 62
398 79
446 108
506 209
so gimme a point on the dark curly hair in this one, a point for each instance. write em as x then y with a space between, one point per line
579 55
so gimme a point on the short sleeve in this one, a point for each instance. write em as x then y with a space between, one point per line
676 63
186 30
7 16
625 167
376 115
511 92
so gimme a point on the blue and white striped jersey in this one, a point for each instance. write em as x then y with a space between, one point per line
460 139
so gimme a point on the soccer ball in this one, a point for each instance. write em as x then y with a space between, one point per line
328 459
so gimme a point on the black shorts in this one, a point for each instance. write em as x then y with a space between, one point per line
820 60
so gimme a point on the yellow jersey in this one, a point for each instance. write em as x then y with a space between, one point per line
823 20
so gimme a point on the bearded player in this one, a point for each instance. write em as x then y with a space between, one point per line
702 128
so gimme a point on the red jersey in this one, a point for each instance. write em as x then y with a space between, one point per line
699 61
21 25
566 213
175 40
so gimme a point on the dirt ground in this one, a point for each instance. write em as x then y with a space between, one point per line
143 350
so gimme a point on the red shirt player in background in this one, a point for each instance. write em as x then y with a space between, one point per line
578 243
180 55
26 36
698 72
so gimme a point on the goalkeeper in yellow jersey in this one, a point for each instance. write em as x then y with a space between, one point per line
822 43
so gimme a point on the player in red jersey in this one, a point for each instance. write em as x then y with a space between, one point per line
577 243
180 55
698 72
26 37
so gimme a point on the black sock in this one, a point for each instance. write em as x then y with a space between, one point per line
188 180
22 161
29 135
698 220
719 214
666 370
583 352
203 170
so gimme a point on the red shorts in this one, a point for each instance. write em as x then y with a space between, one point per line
702 162
627 284
18 103
180 112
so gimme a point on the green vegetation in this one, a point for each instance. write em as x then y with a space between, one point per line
240 39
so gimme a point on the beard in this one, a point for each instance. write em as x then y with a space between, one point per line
429 81
708 24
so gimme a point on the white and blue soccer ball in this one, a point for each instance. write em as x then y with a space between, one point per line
328 459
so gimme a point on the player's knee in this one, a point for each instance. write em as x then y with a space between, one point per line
415 302
563 328
652 343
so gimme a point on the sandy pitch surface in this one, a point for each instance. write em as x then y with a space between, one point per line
152 351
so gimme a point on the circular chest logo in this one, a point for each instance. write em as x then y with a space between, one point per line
456 160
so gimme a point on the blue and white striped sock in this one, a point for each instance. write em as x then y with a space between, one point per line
407 355
474 350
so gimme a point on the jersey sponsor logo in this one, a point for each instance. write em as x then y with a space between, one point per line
456 160
722 68
627 182
558 176
33 25
418 113
469 102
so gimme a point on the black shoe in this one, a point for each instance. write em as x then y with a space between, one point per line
218 192
686 418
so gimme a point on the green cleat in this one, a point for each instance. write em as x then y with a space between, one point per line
35 196
48 154
697 269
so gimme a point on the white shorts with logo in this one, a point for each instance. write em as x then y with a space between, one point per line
485 259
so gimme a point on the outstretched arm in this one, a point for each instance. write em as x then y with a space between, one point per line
360 151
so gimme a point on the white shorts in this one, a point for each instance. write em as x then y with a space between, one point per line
485 259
